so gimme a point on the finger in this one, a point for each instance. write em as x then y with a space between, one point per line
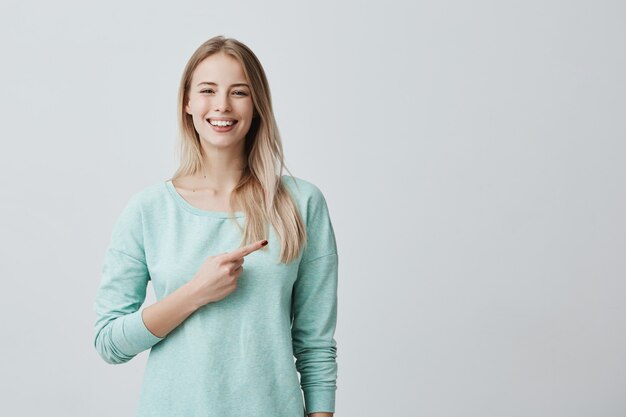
243 251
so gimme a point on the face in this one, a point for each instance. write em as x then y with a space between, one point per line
219 92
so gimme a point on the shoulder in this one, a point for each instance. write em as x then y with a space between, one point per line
141 208
302 190
316 216
147 195
145 201
308 197
127 234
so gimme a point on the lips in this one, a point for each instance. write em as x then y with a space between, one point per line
222 129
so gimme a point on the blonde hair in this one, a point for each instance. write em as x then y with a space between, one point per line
260 192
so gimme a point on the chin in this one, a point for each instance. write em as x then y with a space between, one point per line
221 142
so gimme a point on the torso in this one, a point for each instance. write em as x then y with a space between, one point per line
203 197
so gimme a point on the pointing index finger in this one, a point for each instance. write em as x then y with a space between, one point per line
246 250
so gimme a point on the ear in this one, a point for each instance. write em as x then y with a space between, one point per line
187 109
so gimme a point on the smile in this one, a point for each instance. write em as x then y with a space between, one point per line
222 125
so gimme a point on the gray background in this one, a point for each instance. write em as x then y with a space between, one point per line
471 154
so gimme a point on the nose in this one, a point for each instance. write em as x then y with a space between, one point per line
222 103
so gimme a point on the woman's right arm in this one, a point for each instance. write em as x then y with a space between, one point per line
120 333
122 328
166 314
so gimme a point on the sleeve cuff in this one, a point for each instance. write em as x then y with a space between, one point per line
134 336
319 401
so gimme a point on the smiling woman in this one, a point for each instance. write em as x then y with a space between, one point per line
220 106
222 338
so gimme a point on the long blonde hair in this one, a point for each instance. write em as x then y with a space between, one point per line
260 192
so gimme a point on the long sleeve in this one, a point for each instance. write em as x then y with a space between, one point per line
120 333
314 310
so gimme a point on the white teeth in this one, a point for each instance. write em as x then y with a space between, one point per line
221 123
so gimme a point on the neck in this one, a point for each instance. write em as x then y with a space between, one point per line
222 167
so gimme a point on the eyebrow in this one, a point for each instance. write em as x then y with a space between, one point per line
212 83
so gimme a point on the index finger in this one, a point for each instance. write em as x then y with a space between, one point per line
245 250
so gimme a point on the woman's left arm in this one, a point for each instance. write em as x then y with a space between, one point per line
314 311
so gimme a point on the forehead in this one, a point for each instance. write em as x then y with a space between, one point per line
219 68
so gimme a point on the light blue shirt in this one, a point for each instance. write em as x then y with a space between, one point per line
239 356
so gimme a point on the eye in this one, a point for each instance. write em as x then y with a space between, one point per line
243 93
206 90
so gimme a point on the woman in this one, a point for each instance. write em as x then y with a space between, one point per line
223 336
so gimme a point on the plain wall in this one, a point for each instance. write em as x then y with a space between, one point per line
472 155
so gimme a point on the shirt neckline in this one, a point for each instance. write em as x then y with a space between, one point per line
195 210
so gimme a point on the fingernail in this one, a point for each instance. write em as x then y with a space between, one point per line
264 243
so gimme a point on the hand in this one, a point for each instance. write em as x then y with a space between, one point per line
217 277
